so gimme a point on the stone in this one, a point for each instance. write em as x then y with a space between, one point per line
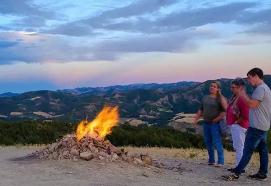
90 148
146 159
75 151
137 161
55 155
100 157
145 174
115 157
66 154
86 156
53 147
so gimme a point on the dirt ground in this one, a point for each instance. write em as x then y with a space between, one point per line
180 170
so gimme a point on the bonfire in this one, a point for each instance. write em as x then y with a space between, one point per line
89 142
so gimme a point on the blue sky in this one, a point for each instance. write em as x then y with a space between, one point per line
48 44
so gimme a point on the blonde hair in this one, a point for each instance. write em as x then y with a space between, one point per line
219 94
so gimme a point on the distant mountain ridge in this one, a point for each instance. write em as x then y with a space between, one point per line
116 88
125 88
152 103
8 94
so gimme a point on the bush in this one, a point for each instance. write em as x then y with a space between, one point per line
32 132
35 132
154 136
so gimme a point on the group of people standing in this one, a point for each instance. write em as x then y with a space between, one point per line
248 118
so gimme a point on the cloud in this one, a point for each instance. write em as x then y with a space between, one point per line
260 20
255 17
35 48
218 14
109 20
263 28
172 42
242 42
137 8
184 19
41 48
86 26
30 14
72 29
140 27
7 44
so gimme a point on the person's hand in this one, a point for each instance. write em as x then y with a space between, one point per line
214 121
195 122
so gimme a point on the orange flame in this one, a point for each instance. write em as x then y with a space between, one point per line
100 126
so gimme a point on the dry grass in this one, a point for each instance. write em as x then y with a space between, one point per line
190 154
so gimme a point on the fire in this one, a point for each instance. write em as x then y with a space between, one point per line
101 126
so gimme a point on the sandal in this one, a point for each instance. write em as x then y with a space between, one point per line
232 177
218 165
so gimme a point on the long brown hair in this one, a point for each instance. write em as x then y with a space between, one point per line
218 94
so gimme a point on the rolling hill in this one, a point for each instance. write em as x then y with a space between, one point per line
150 103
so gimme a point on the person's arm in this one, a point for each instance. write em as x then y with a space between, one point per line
224 103
252 103
199 113
244 110
219 117
198 116
240 119
256 98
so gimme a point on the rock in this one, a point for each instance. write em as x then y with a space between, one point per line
75 152
145 174
65 154
137 161
135 155
100 157
114 149
86 156
90 148
75 158
146 159
52 147
103 154
115 157
55 155
64 143
130 159
85 145
125 158
107 143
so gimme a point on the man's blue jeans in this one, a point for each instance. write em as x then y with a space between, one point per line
212 138
255 139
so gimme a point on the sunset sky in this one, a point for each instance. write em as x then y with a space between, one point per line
49 44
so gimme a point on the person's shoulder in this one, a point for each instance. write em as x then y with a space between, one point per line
265 86
223 98
241 101
241 98
205 97
267 91
261 87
